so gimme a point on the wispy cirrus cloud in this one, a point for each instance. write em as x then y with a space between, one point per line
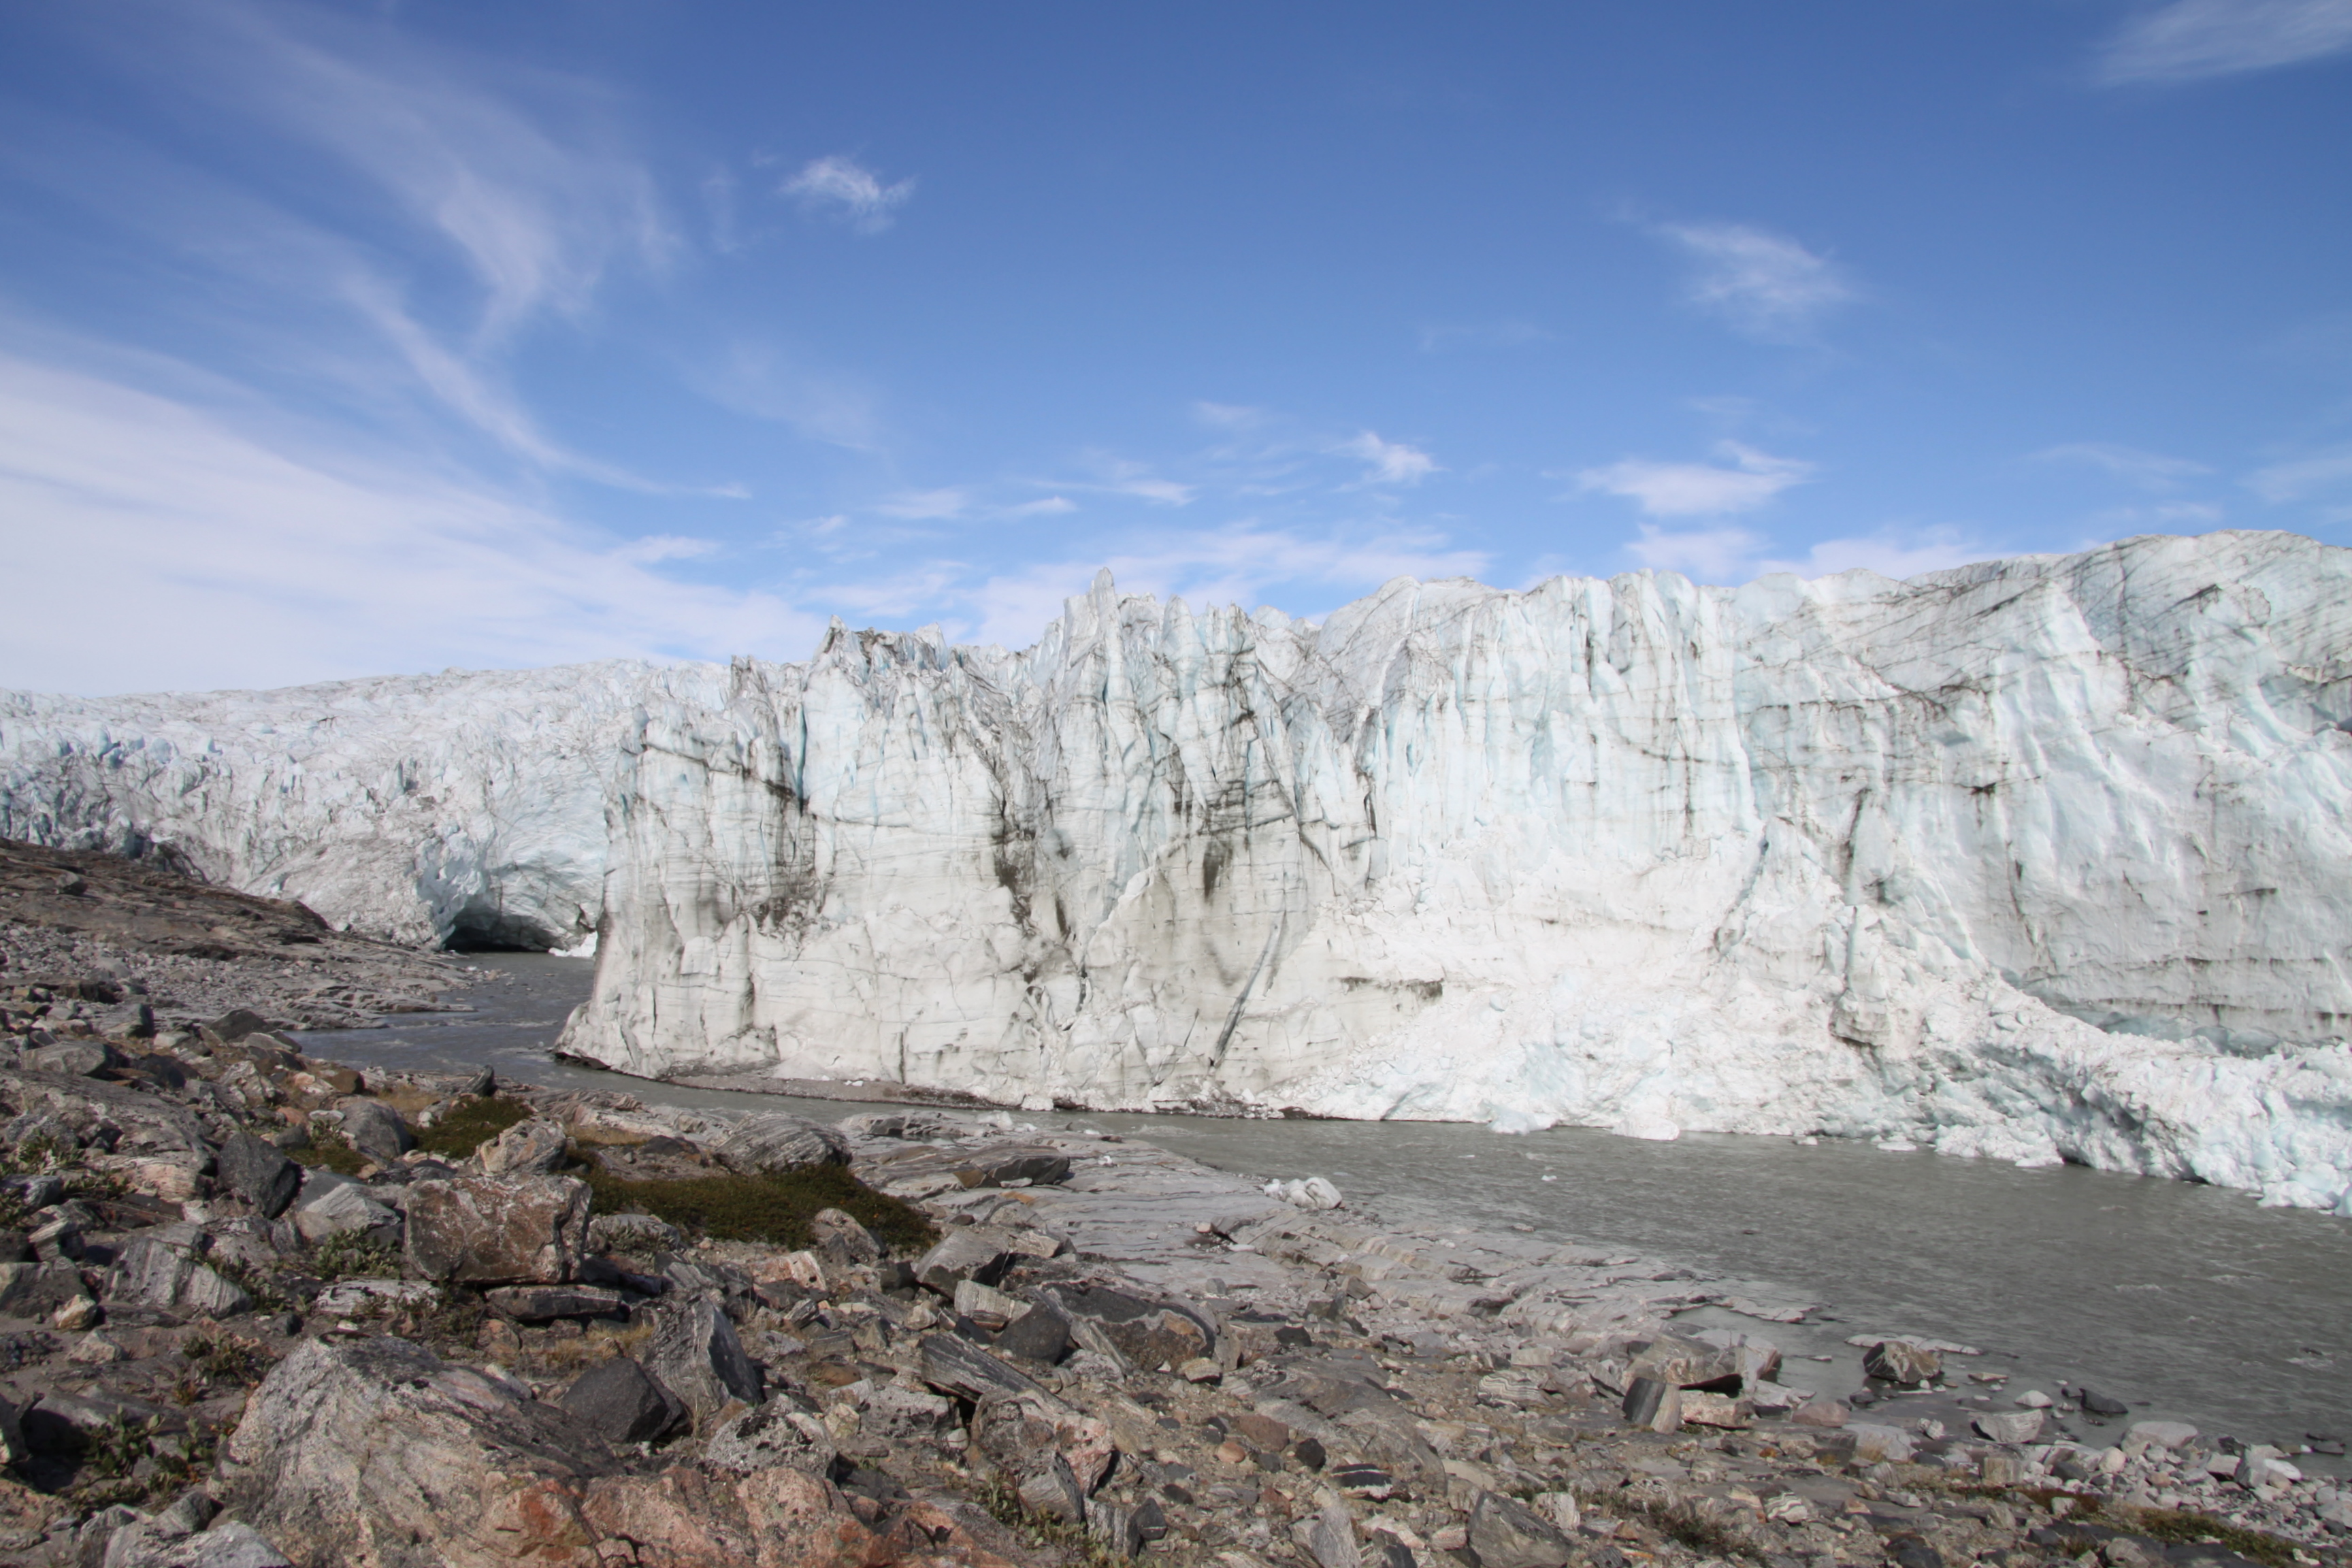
2302 477
1730 554
306 563
1764 284
2190 40
2147 470
1744 479
1238 564
844 188
1390 462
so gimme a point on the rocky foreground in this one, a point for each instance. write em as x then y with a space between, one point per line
257 1308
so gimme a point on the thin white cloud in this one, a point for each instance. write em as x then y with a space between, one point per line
1704 554
2192 39
1229 415
1700 489
1208 567
937 505
2148 470
1890 553
844 188
1765 285
1048 506
1390 462
754 379
1731 554
538 214
2304 477
307 565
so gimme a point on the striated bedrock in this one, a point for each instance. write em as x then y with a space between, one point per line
466 805
2042 858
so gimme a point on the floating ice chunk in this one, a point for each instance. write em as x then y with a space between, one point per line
1511 1121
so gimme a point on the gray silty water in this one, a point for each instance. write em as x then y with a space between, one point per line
2192 1298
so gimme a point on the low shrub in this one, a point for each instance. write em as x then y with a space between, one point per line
471 1123
774 1208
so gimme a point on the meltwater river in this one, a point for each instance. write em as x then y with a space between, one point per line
2193 1301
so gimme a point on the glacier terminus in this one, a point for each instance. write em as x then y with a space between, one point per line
2042 858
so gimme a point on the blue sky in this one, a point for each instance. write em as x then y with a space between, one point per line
340 338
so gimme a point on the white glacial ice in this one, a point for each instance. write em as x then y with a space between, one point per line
2043 858
417 808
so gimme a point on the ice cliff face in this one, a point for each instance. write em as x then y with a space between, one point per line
1854 855
416 808
2042 858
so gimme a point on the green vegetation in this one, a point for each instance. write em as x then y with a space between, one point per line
775 1208
2191 1528
470 1123
329 1152
355 1254
218 1357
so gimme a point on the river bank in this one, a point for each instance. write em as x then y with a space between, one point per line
2194 1303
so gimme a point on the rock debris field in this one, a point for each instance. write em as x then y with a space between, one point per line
257 1308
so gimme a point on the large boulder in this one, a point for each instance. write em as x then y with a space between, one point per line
376 1454
777 1433
980 1252
258 1173
695 1353
165 1270
770 1140
533 1148
1508 1534
498 1230
1150 1333
375 1129
625 1403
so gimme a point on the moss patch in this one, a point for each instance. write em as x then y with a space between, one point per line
2189 1529
325 1151
470 1123
775 1209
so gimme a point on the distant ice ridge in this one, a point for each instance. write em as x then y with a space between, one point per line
418 808
2043 858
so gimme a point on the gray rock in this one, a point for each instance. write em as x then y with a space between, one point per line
57 1238
233 1026
625 1403
1117 1526
533 1148
2098 1403
1874 1443
1654 1404
15 1247
165 1271
1329 1536
1151 1333
545 1303
770 1140
346 1206
837 1238
350 1446
38 1190
498 1230
978 1252
127 1021
962 1368
893 1414
1051 1489
2009 1425
633 1233
375 1129
777 1433
74 1058
39 1289
1508 1534
696 1354
257 1173
2162 1434
1902 1363
1039 1335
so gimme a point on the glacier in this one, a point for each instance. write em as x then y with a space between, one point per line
466 806
2044 859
